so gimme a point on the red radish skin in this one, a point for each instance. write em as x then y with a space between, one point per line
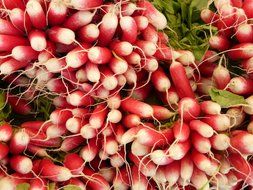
5 132
9 4
35 11
121 48
178 150
200 160
133 59
13 41
77 57
4 150
161 113
79 98
54 172
107 28
199 179
147 48
98 116
160 81
218 122
181 131
156 18
61 35
241 85
75 167
137 107
60 116
88 33
131 120
247 7
11 65
85 5
200 143
188 108
241 142
186 169
99 55
160 157
165 53
244 33
202 128
129 29
77 182
21 164
178 73
241 51
38 184
7 28
219 43
151 137
118 66
78 19
172 173
150 34
54 131
57 13
210 107
141 22
89 152
221 77
70 143
208 16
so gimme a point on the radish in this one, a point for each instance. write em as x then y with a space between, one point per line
74 124
139 150
241 51
89 152
247 7
151 137
121 48
21 164
38 184
57 13
150 34
70 143
107 28
77 57
200 160
60 116
7 28
178 150
19 142
200 143
78 19
141 22
236 115
181 131
221 77
210 107
61 35
202 128
199 179
88 131
159 157
35 11
220 43
133 59
88 33
172 173
218 122
5 132
220 141
186 169
118 65
79 98
54 172
9 4
241 142
13 41
161 113
85 5
208 16
244 33
241 85
156 18
188 108
38 40
160 81
248 108
137 107
129 29
147 48
98 116
99 55
75 167
178 73
4 150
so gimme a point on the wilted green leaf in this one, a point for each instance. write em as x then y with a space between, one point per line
71 187
225 98
23 186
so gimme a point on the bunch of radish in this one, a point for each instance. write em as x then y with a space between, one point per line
100 63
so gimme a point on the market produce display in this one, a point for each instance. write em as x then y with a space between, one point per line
140 95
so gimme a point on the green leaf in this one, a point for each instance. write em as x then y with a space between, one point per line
2 100
51 186
23 186
71 187
225 98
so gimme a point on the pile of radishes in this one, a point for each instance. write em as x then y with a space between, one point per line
130 111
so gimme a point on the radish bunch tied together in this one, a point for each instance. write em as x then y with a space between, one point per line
129 112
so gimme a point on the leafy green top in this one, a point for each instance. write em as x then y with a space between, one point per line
185 27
